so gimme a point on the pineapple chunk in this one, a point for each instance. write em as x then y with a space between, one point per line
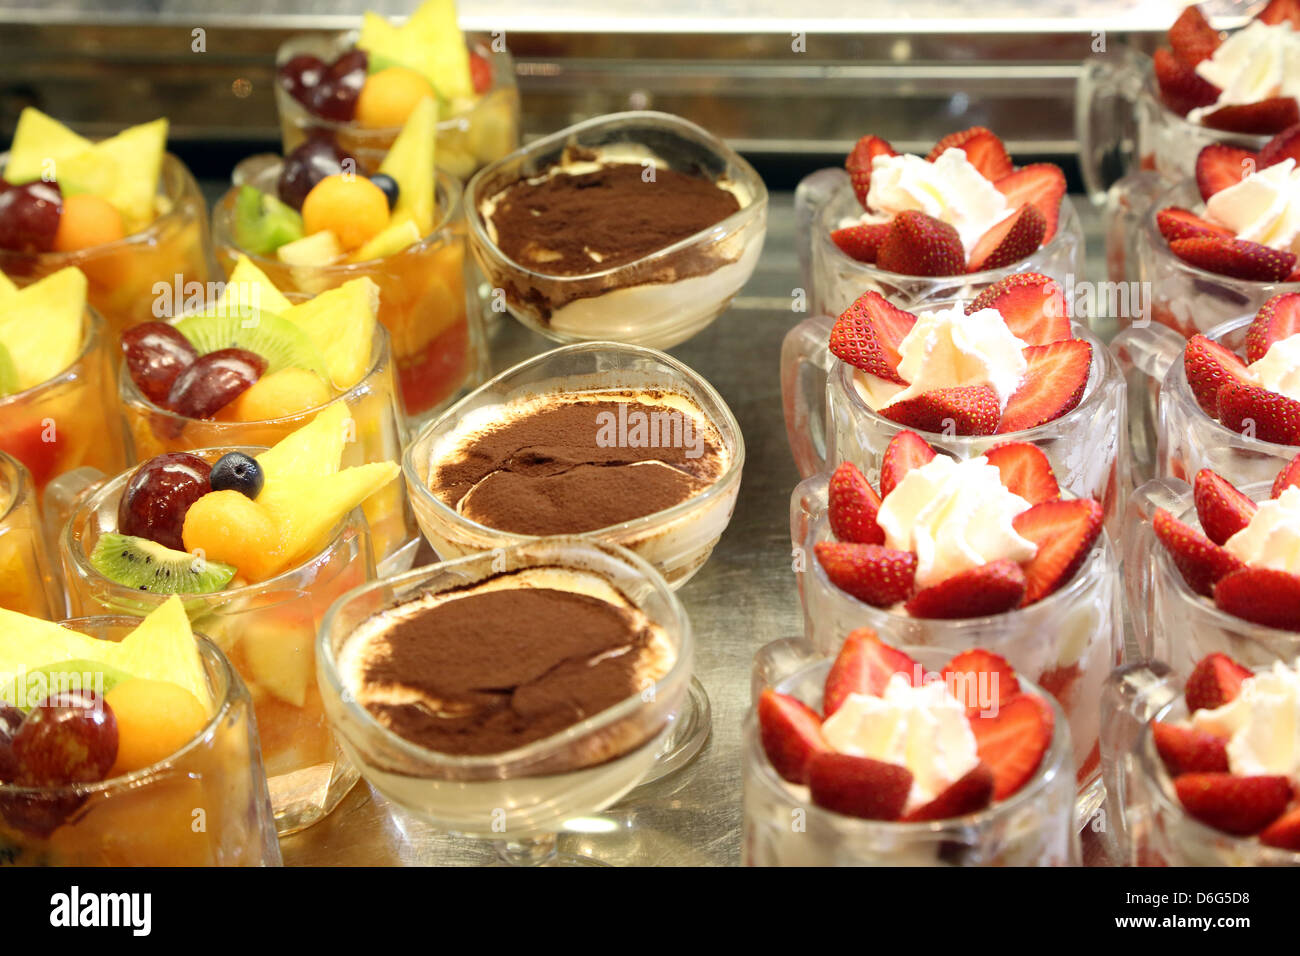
313 451
341 324
396 236
124 169
429 42
43 325
41 139
410 161
248 281
280 658
162 648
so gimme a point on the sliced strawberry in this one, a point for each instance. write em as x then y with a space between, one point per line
859 786
920 245
969 794
1059 681
1011 240
1219 166
1254 410
1065 532
1025 471
1263 117
864 665
859 162
1287 478
1209 366
1054 384
1284 832
1261 596
1281 11
1199 560
1181 89
1188 750
1215 680
1192 38
905 451
1032 305
1040 184
981 679
976 592
1177 223
860 242
983 150
791 733
1236 805
876 575
966 410
1277 319
1285 145
1236 258
867 333
853 505
1012 741
1223 509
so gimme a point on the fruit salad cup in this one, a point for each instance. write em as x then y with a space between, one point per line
28 583
203 803
522 797
267 630
436 340
784 826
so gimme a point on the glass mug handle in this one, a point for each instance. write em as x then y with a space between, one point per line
1144 354
806 361
810 197
778 660
1139 554
1105 109
62 495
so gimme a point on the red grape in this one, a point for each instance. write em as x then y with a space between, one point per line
70 737
158 495
300 74
335 96
307 165
155 354
213 381
11 719
29 216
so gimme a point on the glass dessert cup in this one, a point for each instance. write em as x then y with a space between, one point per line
69 421
783 827
834 280
1171 434
134 279
380 430
1149 826
28 583
437 341
828 421
205 805
267 630
649 301
467 139
522 797
1067 643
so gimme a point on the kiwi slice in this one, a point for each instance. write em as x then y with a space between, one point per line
263 223
67 675
148 566
8 372
279 341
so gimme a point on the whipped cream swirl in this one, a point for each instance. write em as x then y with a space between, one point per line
1264 207
1259 61
1278 370
1272 539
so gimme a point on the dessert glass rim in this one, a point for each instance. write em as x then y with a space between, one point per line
16 480
94 330
295 44
172 168
130 393
448 199
87 506
327 664
1067 221
1104 366
728 424
758 197
1053 763
213 659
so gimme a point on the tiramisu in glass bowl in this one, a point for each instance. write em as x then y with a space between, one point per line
634 227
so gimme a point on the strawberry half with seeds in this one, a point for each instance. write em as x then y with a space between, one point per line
1223 509
791 732
979 673
1266 117
983 150
1199 560
1238 805
1286 478
1209 366
853 505
1192 38
861 242
1031 304
1013 741
1181 89
871 573
1261 596
1054 384
1015 237
1253 410
864 665
858 786
859 162
905 451
920 245
1215 680
1284 832
969 794
1285 145
1025 471
1235 258
1041 185
976 592
1277 319
1064 532
1219 166
965 410
1175 222
1188 750
867 334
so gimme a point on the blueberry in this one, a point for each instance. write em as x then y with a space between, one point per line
237 472
388 185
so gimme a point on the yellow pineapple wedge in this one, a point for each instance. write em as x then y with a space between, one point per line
42 326
248 286
40 144
341 324
123 169
410 161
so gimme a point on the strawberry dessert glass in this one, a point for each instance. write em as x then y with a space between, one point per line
28 582
1204 771
1008 366
918 230
983 552
123 211
873 760
127 743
